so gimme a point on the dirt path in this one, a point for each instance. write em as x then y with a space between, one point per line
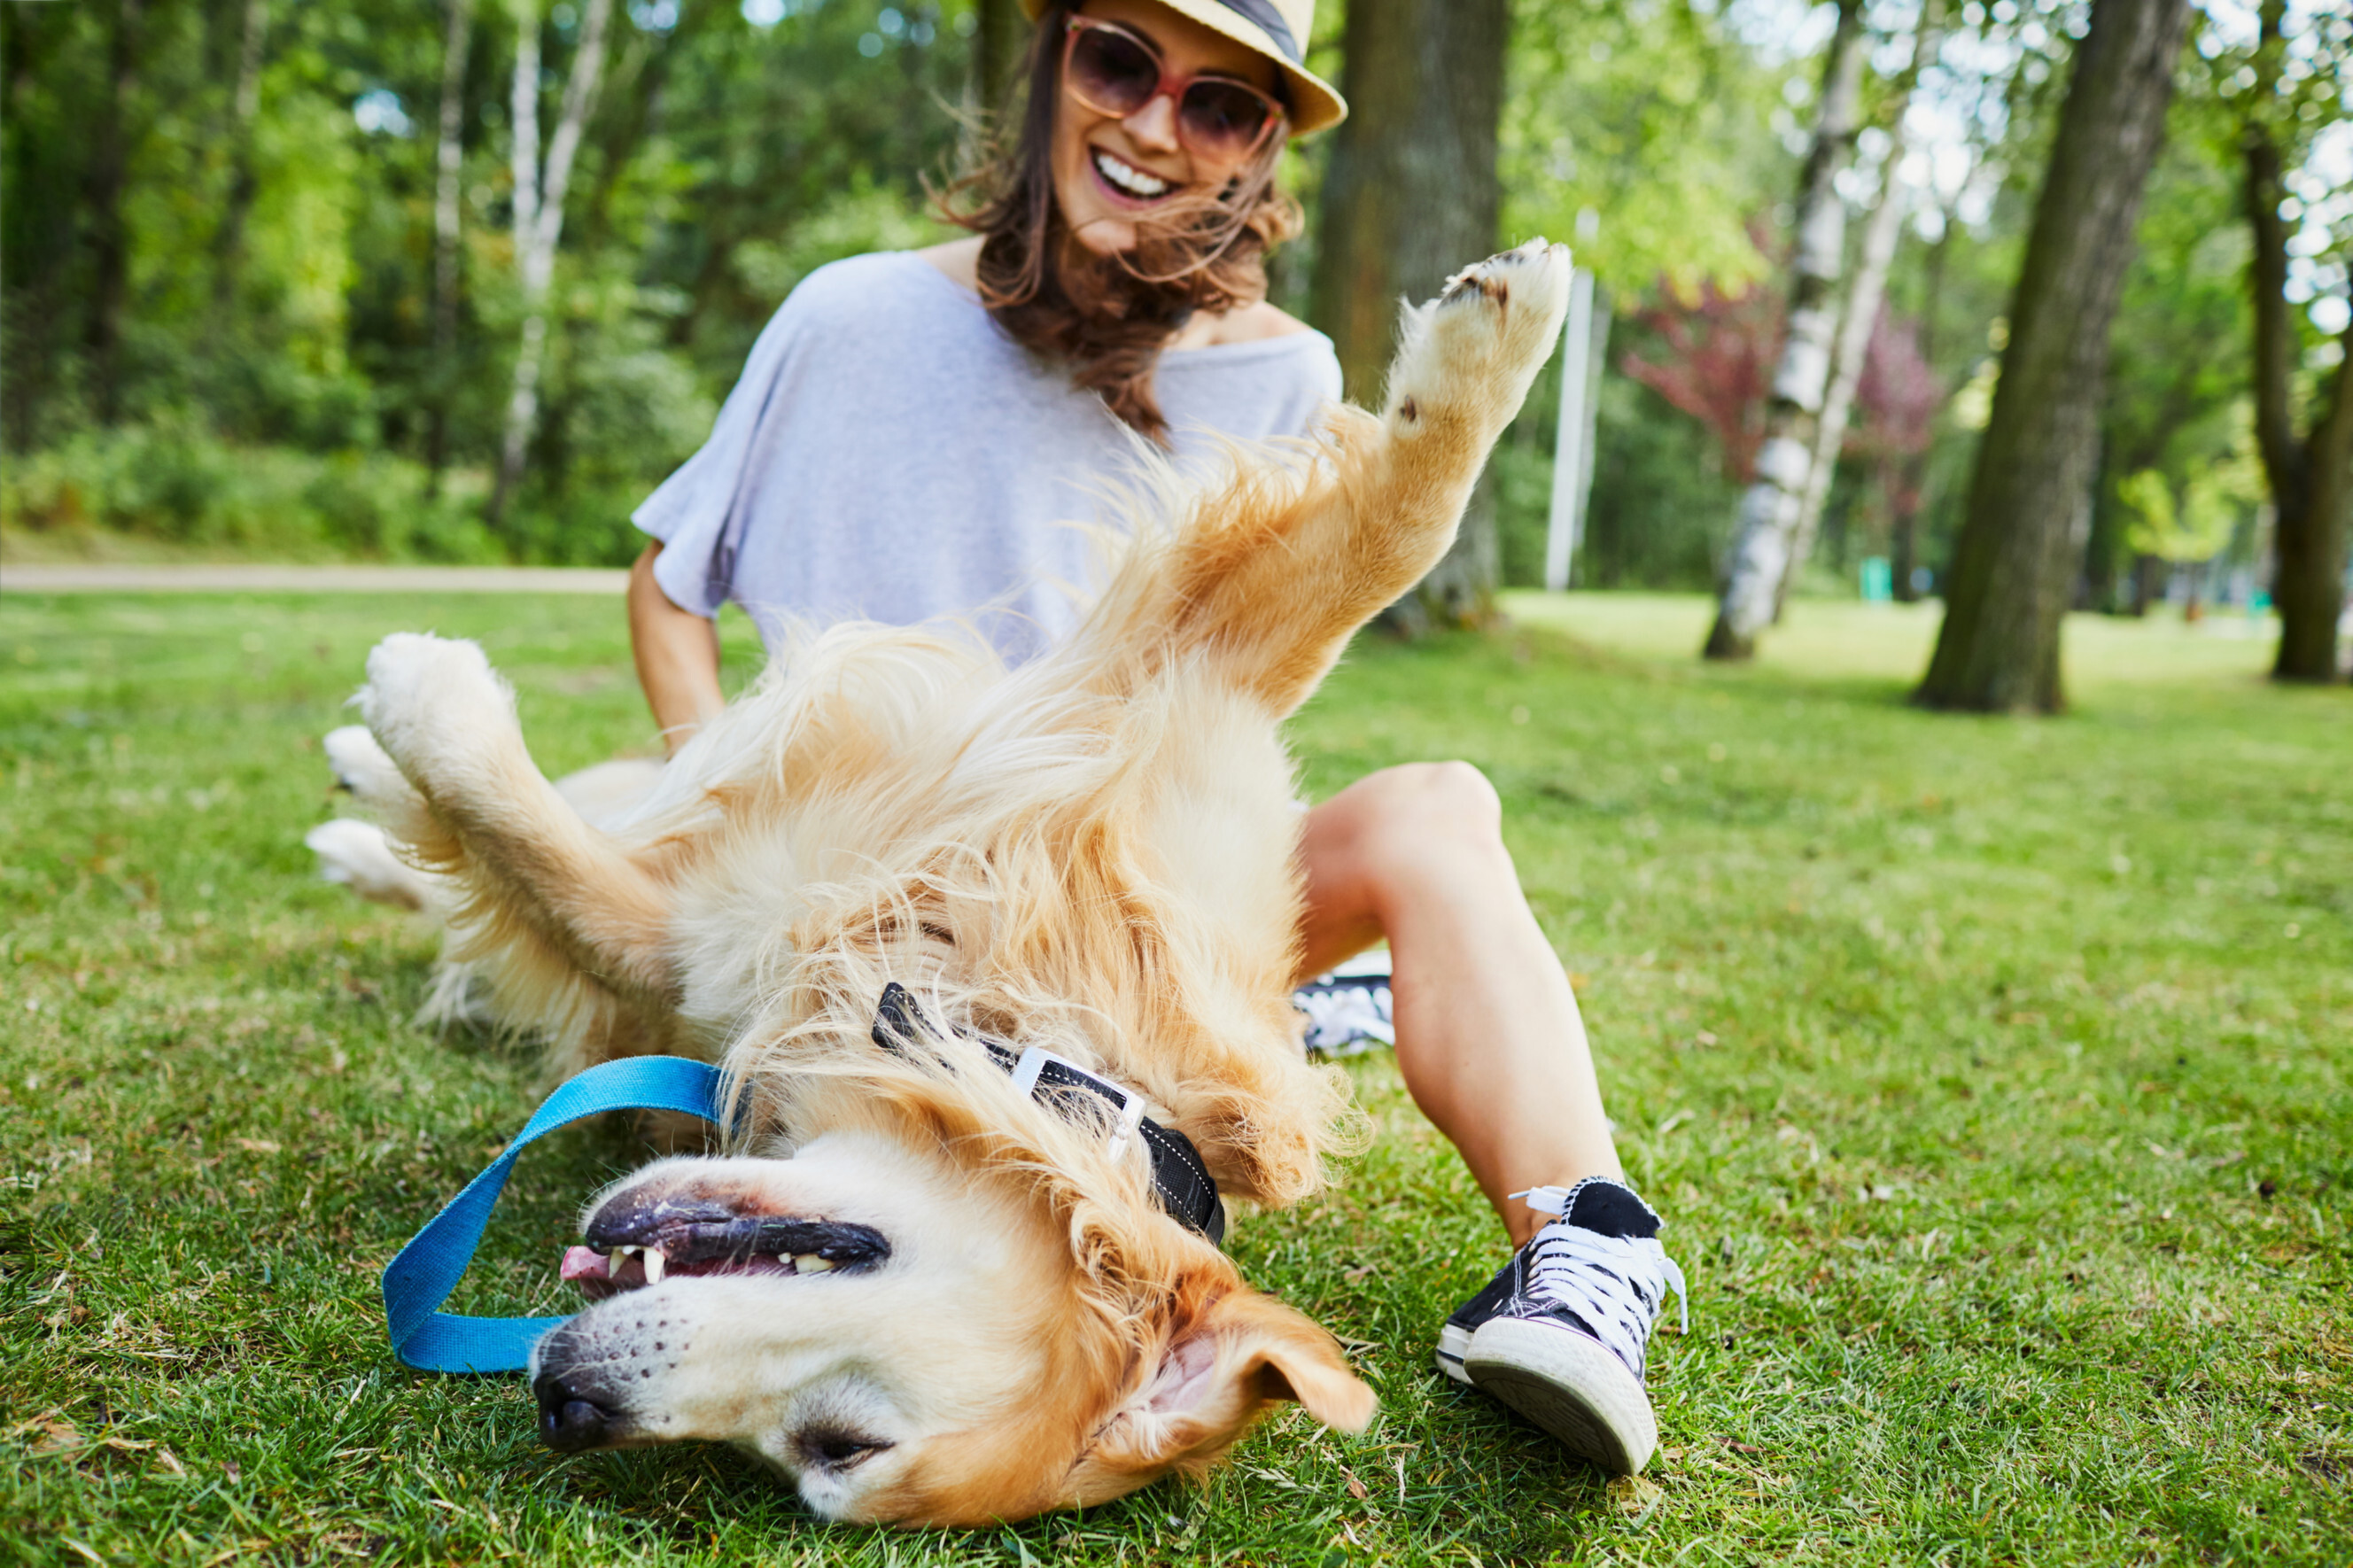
236 578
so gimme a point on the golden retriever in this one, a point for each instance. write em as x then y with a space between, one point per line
924 1294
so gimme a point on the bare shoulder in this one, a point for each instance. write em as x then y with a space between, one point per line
958 260
1249 324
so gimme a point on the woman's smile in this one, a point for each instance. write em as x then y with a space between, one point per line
1124 183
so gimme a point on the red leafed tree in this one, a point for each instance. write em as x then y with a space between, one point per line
1716 361
1896 400
1718 365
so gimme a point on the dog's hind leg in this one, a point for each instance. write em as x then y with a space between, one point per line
1276 572
531 872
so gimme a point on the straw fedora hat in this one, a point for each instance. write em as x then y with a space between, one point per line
1275 28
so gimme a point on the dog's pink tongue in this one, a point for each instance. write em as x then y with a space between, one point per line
587 1263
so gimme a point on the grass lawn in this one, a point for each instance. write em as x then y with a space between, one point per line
1992 1075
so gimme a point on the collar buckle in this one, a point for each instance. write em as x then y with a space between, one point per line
1038 1065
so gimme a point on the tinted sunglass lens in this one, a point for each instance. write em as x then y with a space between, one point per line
1113 71
1219 118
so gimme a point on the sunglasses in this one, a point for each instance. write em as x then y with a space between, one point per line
1113 71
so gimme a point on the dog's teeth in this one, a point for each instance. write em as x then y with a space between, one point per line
655 1263
623 1254
810 1263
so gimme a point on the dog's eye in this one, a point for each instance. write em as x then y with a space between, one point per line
837 1450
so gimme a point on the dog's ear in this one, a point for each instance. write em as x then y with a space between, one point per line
1220 1369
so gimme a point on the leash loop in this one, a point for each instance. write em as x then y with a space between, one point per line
422 1274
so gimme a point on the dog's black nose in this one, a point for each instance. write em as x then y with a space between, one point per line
567 1423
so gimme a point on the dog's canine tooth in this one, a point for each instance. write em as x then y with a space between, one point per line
655 1262
810 1263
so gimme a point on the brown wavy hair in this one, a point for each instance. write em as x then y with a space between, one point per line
1107 318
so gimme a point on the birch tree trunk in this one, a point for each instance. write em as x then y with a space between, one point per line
2013 567
1881 234
245 107
1412 195
2309 477
1760 555
539 215
448 161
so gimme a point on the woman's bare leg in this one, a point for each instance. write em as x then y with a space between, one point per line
1488 1036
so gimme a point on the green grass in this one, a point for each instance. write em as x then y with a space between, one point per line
1992 1076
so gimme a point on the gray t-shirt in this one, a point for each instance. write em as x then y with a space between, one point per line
890 455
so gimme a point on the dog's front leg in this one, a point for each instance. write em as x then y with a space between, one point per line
1274 587
487 818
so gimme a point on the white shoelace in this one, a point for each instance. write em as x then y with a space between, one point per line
1616 1284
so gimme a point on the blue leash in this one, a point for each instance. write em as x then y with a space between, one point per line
418 1280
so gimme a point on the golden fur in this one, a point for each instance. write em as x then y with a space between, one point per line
1090 853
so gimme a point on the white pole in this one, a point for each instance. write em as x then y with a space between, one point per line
1568 457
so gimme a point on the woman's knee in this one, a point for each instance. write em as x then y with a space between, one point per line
1423 816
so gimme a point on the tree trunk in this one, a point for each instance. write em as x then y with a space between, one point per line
1909 494
229 240
997 49
448 161
1412 196
538 220
1880 236
1760 555
110 239
1584 342
2309 479
2013 568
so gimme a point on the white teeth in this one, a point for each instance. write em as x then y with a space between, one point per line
655 1262
1129 178
810 1263
623 1254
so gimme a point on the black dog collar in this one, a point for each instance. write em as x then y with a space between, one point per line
1178 1176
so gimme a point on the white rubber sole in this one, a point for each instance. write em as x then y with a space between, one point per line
1454 1344
1568 1385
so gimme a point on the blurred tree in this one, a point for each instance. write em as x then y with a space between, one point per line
1412 194
2311 472
1643 135
2171 395
449 171
108 186
539 214
1762 538
1860 316
1717 363
245 109
1000 35
2014 567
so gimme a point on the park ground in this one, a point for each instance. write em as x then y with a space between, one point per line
1992 1075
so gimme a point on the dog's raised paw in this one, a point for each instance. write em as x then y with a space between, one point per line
420 687
1474 349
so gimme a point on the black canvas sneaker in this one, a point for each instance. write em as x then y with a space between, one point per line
1562 1334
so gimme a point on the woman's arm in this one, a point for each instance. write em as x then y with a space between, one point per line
678 656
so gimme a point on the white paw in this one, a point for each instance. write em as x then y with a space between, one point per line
1473 351
425 693
355 854
360 766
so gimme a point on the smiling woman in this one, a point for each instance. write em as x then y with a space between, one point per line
1133 208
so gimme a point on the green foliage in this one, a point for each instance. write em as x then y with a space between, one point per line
1639 134
1660 508
180 484
2195 523
1993 1078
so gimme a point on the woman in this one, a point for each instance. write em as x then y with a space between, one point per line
911 433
